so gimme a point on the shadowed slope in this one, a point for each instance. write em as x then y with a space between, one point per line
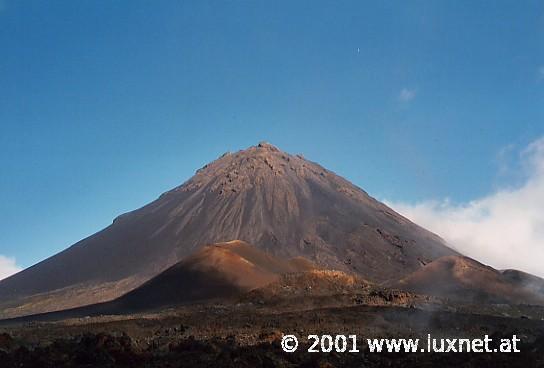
216 271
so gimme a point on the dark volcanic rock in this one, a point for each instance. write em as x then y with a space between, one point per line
104 350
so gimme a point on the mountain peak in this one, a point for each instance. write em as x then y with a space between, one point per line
260 166
268 146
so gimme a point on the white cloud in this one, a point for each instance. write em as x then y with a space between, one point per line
407 94
504 229
7 267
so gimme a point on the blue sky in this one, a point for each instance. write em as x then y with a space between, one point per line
106 104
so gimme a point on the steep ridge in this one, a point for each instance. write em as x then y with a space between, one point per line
281 203
464 279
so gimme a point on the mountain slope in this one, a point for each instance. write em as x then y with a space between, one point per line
218 270
464 279
283 204
215 271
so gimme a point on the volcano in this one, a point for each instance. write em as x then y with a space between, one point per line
285 205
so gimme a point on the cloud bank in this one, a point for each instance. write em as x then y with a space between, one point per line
504 229
7 267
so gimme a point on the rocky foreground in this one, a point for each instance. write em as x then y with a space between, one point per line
105 350
247 333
